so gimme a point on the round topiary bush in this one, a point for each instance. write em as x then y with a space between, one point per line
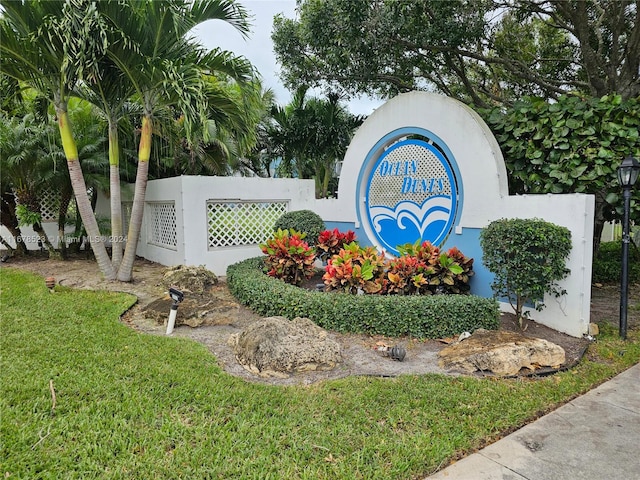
304 221
528 258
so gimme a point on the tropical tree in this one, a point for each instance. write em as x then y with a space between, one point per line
51 46
289 135
93 154
62 47
220 145
34 171
111 93
482 52
573 145
310 135
26 173
259 159
166 67
332 126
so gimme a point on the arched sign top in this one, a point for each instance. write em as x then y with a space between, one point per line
410 190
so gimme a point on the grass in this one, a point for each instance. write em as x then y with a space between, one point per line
131 405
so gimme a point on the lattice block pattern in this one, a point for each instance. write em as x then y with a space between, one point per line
241 223
161 222
49 200
49 205
386 190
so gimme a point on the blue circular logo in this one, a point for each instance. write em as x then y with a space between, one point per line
411 194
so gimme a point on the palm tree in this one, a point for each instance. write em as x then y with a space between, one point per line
26 160
52 45
258 160
111 93
93 155
60 46
332 127
166 67
217 147
311 135
290 135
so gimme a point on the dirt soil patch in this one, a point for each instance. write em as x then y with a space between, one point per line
225 316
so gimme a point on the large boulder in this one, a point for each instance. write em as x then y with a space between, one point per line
278 347
194 280
503 353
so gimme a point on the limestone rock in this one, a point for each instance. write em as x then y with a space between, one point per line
195 280
193 311
277 347
503 353
158 311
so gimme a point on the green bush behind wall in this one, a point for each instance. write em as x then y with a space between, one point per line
607 263
426 316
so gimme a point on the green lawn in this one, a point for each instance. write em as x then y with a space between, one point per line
130 405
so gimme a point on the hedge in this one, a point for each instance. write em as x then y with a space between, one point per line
419 316
607 264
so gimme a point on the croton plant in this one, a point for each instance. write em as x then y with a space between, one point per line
289 257
421 268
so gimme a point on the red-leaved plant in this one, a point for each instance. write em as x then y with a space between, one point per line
461 279
330 242
423 269
355 270
408 275
289 257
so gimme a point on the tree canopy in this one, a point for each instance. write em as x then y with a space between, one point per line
311 135
573 145
111 52
483 52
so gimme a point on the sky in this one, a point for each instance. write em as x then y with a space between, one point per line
258 48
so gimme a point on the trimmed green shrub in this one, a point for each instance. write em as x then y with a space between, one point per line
433 316
607 263
303 221
528 257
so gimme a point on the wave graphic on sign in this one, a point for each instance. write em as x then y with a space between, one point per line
408 221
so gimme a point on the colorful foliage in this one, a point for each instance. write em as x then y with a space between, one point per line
330 242
289 257
355 270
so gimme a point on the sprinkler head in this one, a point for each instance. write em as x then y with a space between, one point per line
176 295
398 353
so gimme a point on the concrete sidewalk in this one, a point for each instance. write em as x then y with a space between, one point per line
594 437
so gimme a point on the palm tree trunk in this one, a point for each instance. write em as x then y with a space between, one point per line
116 201
137 210
7 246
46 243
10 221
82 198
65 199
328 173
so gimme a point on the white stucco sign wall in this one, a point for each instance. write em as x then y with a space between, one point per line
425 166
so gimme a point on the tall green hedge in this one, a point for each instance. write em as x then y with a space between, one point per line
432 316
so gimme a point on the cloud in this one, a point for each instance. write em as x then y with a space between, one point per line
258 48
